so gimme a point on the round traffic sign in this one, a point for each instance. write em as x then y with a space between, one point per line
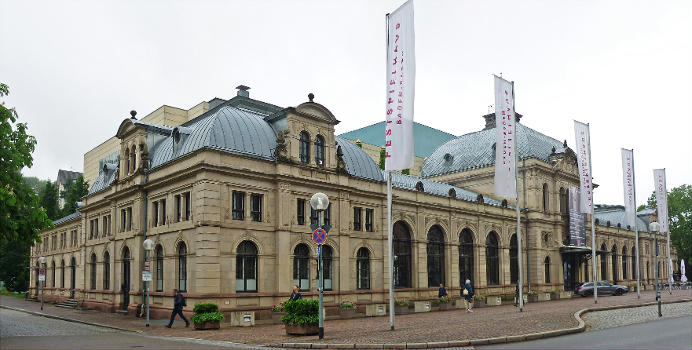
319 236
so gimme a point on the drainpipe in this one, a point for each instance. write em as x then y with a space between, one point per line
526 226
144 235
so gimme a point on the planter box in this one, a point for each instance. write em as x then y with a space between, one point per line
347 313
493 301
543 296
207 325
533 298
446 306
422 306
478 303
554 296
376 310
565 294
400 310
302 330
276 317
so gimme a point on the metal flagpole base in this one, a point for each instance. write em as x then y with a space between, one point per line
321 333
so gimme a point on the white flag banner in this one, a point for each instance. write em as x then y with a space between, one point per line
581 134
505 139
661 198
628 186
401 74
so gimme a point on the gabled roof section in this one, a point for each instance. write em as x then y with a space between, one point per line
476 150
427 139
105 178
129 123
65 219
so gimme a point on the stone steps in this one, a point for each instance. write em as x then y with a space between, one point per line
69 304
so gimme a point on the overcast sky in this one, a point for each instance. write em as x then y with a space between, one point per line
75 69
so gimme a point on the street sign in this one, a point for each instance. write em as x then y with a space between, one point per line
319 236
41 278
146 276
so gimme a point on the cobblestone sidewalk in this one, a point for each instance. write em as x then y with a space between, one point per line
623 317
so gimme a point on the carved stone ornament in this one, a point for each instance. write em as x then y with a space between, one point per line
480 199
419 186
281 151
145 156
452 193
340 164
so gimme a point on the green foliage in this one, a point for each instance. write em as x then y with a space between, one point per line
401 302
301 312
48 198
207 317
347 305
278 307
406 171
382 157
445 300
35 183
205 308
479 297
73 193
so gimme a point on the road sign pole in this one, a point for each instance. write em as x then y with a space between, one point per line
321 286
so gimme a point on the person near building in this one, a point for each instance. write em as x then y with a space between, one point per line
295 295
442 292
467 294
516 294
178 303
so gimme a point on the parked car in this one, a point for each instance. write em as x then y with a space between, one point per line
604 287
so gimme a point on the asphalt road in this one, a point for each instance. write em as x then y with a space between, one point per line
19 330
671 333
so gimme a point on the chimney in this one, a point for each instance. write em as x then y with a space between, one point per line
243 90
490 120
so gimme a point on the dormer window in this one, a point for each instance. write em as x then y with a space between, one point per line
319 150
304 147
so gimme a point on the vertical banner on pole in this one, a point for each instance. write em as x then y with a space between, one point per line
401 74
630 193
662 211
583 140
505 140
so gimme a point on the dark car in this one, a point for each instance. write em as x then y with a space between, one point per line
586 289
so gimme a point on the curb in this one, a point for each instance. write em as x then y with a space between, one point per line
581 327
68 319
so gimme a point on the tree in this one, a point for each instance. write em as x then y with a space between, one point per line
73 193
21 216
49 200
680 220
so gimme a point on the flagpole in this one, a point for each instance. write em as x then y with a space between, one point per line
636 228
670 266
593 227
520 259
390 262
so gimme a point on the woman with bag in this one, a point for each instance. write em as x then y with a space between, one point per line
467 294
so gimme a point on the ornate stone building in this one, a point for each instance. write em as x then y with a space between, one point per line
225 196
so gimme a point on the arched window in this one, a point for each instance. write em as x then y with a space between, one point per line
604 262
133 154
182 267
363 268
465 256
624 263
301 266
614 263
159 268
546 264
634 263
513 260
319 150
436 257
62 273
246 267
402 255
53 274
546 200
563 201
106 271
304 147
127 160
648 273
587 272
492 263
73 273
93 271
327 264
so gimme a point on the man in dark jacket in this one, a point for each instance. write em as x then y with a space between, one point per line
295 295
467 293
442 292
178 303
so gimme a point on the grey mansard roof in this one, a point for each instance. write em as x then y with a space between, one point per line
105 178
475 150
616 215
67 218
358 163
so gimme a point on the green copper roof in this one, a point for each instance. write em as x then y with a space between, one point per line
427 139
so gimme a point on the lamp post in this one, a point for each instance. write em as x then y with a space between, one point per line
42 277
320 202
146 276
654 227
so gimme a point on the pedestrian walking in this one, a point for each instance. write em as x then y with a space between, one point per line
467 293
295 295
178 303
442 292
516 294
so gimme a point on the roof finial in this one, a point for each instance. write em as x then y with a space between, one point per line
311 96
133 113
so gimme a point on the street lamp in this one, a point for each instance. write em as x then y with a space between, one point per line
42 275
148 247
320 202
654 227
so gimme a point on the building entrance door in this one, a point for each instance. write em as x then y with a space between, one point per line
126 279
73 276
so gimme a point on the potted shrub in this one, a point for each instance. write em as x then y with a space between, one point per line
400 307
554 295
277 312
478 301
302 317
207 316
533 297
347 309
445 303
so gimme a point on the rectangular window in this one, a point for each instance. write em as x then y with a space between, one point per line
357 217
123 220
96 228
91 229
186 196
129 218
163 211
178 208
155 213
256 207
238 205
369 218
300 211
327 216
105 225
313 216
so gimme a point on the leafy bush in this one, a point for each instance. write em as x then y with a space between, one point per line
401 302
278 307
445 300
347 305
553 292
207 316
533 293
205 308
479 297
301 312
